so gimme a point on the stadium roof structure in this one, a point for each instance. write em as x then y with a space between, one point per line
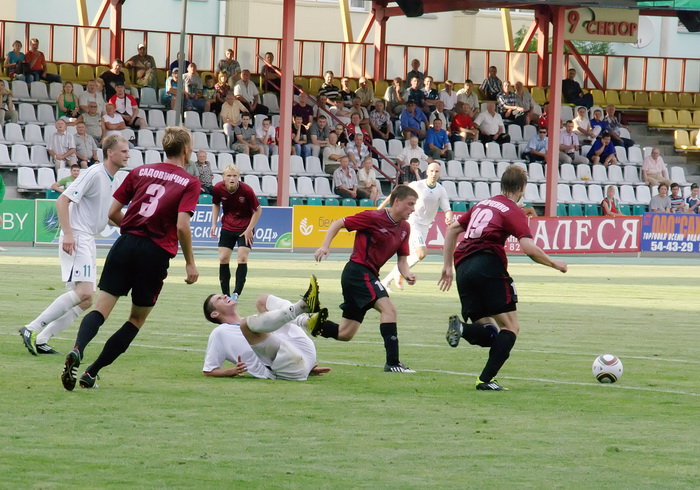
657 7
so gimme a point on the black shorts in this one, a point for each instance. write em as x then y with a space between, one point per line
230 239
361 289
135 264
484 286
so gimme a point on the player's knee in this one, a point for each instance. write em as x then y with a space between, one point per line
261 303
85 303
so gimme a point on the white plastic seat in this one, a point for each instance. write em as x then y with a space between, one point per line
501 167
37 90
488 171
471 170
567 174
595 193
55 89
5 160
387 168
49 131
26 114
46 114
45 177
643 194
465 190
536 172
313 165
40 157
62 173
510 153
20 156
481 191
200 141
634 155
395 147
210 122
476 150
296 167
261 165
380 146
451 189
564 194
455 171
192 120
579 194
585 149
624 133
269 185
222 161
32 134
495 188
152 156
26 180
216 179
305 187
583 173
270 101
461 150
156 119
149 98
631 175
145 139
20 91
615 174
170 117
627 195
678 176
516 133
600 174
293 192
621 155
493 151
254 182
532 194
244 165
323 187
119 178
127 133
274 164
567 113
217 141
135 159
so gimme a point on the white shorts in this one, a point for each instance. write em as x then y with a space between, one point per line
81 266
419 236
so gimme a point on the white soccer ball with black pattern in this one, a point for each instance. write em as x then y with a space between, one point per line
607 368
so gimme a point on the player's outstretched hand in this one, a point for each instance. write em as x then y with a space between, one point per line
410 279
192 273
321 254
319 371
445 281
560 265
248 235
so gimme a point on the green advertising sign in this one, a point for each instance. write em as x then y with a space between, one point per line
47 226
17 220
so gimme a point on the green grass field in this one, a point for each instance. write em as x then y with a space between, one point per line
156 421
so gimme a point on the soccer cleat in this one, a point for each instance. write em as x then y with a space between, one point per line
311 296
87 381
234 297
454 331
398 368
46 349
315 322
70 369
29 339
490 386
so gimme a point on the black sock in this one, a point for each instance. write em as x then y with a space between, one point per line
225 279
329 330
88 329
498 355
476 334
115 346
391 342
241 273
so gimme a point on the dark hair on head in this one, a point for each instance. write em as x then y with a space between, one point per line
663 184
674 184
401 192
208 308
208 77
514 179
569 121
321 116
244 114
75 165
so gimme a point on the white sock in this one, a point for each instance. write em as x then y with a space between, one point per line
393 275
412 260
59 325
55 310
302 320
270 320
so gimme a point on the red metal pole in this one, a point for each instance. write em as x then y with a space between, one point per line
554 116
379 45
542 16
116 49
286 100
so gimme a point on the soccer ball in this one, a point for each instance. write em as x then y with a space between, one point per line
607 368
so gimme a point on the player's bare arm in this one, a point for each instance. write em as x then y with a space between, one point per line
319 370
116 213
62 205
405 271
324 249
538 255
384 203
248 233
238 370
184 236
214 218
447 275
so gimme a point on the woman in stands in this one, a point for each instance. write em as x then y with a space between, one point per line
610 205
68 105
13 61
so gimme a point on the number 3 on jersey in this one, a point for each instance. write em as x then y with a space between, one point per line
479 221
149 208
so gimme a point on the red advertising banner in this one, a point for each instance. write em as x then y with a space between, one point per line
567 235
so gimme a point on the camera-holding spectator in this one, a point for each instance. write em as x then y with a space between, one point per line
127 107
63 184
142 67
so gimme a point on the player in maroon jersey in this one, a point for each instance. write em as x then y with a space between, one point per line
486 291
379 235
241 213
162 198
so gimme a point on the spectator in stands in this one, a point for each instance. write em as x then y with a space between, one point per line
332 153
462 126
365 93
222 90
439 113
542 121
36 61
231 67
209 94
192 82
204 173
62 184
430 95
176 64
345 180
394 97
356 130
569 146
113 77
380 122
246 142
342 135
437 143
677 202
61 147
411 119
582 126
448 98
93 121
142 68
357 151
305 110
599 125
267 137
413 151
85 146
67 104
13 62
112 122
492 85
536 149
469 97
318 135
300 146
230 115
692 202
524 100
358 108
171 88
661 203
126 106
411 172
247 93
614 125
271 79
415 73
603 151
91 95
490 126
321 107
415 93
340 111
345 93
7 105
328 88
508 106
610 205
367 184
572 92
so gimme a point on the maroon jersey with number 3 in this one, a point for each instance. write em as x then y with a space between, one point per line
238 206
377 238
487 227
156 193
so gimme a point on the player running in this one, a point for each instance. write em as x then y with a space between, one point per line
379 235
162 198
270 345
486 291
82 212
241 213
431 196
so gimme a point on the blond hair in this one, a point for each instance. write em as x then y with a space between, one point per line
111 142
175 140
231 168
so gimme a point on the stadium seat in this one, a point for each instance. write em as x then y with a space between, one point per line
135 159
314 201
595 193
681 140
323 187
685 119
156 119
488 171
536 172
532 194
465 191
671 100
13 133
152 156
501 167
32 135
641 99
296 167
686 101
26 114
47 115
677 175
40 157
625 209
561 209
461 150
26 180
564 194
493 151
261 165
20 91
254 182
331 201
192 121
313 165
367 203
459 207
302 82
395 147
510 153
315 85
656 100
205 199
639 209
615 174
296 201
476 150
38 91
451 189
305 187
471 170
631 176
495 188
217 142
149 99
269 185
516 133
455 171
380 146
271 102
274 164
670 118
200 141
348 201
481 191
567 174
626 99
643 194
634 155
593 210
599 174
598 97
575 209
243 164
627 195
538 95
611 97
68 73
145 139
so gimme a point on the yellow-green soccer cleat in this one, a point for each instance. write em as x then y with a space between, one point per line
311 296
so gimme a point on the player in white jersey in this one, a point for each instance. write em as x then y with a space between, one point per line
82 211
431 196
270 345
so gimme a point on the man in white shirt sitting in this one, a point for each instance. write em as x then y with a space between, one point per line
247 93
490 126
